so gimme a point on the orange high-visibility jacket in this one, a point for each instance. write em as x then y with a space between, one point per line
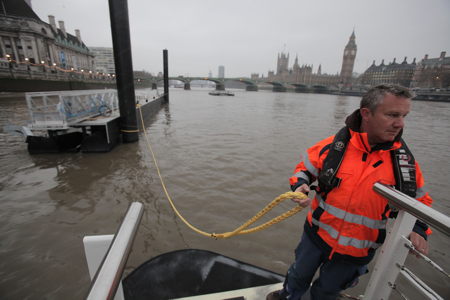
351 223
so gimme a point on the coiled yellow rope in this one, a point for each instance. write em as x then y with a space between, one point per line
243 228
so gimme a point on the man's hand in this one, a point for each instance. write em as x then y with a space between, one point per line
419 243
304 188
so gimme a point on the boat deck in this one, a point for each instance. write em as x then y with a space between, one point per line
255 293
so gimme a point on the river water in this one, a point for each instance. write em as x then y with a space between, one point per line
222 159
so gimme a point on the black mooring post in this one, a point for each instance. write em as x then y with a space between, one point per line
166 75
120 29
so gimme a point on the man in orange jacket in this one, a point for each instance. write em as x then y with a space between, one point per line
347 219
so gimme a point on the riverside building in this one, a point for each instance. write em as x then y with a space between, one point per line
391 73
428 73
221 73
25 38
432 73
104 59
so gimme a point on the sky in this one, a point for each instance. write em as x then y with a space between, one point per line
246 36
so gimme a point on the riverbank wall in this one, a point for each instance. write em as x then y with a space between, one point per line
15 77
434 96
39 85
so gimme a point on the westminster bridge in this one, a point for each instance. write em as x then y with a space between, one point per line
252 85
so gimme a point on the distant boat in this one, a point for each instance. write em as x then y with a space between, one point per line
221 93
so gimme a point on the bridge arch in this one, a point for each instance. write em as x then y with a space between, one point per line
277 86
220 84
250 85
184 80
319 89
300 88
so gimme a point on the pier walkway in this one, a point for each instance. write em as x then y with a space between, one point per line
86 120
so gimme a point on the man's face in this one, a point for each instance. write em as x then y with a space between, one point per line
385 123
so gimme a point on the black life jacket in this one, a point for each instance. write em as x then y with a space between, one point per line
402 160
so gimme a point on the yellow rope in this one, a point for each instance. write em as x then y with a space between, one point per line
243 228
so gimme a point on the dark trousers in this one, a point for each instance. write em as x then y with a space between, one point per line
334 276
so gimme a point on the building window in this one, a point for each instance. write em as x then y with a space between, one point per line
8 48
20 51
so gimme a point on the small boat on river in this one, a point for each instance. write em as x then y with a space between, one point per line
221 93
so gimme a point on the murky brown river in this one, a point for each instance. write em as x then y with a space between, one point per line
222 158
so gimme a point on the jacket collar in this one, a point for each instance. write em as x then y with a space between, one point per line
360 139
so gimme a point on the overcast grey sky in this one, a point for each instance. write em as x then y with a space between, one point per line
246 35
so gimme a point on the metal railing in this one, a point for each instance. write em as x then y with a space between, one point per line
390 262
432 217
61 109
109 274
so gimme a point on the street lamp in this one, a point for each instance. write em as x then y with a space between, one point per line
27 63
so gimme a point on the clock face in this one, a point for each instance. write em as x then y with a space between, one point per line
346 52
353 52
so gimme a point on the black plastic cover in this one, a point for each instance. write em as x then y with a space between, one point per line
192 272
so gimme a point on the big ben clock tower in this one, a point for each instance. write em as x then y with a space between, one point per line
348 61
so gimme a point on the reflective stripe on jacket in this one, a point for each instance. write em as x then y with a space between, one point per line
351 220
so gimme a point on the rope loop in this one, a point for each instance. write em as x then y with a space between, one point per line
243 229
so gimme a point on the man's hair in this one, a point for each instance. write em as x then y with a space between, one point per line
373 97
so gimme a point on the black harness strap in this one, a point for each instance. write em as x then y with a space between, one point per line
327 176
404 170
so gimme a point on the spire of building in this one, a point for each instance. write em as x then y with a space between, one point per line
348 61
296 67
352 40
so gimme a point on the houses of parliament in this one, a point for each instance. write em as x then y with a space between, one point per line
303 75
428 73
